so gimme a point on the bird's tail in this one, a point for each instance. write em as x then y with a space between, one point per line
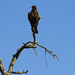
34 29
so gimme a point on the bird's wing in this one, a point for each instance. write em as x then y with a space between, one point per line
37 16
29 16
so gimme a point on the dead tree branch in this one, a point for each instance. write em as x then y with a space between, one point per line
19 72
2 69
29 44
50 52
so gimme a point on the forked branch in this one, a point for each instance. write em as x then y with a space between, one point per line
29 44
50 52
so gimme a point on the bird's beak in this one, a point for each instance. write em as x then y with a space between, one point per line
31 7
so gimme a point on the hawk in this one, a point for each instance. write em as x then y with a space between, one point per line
33 17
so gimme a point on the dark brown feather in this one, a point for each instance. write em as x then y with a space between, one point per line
33 16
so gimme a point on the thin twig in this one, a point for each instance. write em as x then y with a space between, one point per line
19 72
35 52
50 52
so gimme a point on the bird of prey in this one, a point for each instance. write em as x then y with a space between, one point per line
33 17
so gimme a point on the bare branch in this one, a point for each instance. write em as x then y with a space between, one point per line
35 52
50 52
2 69
15 57
20 72
29 44
46 60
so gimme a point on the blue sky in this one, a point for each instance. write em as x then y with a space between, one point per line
56 32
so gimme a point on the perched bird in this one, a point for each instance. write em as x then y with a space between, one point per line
33 17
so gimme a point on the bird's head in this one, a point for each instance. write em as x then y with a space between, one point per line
34 7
